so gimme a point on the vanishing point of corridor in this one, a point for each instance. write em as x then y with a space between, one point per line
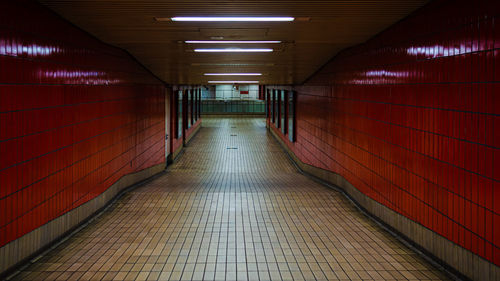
232 207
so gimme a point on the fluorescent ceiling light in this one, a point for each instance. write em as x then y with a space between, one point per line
233 74
233 82
232 19
231 64
230 42
233 50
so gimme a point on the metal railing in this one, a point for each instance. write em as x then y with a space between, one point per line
213 106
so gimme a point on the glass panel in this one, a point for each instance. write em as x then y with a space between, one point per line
261 107
233 106
276 108
199 104
273 107
291 116
188 115
241 106
197 113
283 112
267 100
179 114
195 105
191 114
219 106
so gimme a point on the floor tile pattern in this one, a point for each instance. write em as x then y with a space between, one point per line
233 207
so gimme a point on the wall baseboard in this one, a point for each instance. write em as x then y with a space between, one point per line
460 263
21 250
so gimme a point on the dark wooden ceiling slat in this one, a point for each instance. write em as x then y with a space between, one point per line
332 26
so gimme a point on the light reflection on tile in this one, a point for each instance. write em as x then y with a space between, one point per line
239 214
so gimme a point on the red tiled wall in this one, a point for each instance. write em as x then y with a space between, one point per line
412 119
75 116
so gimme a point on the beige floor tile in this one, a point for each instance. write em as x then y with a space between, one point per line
232 214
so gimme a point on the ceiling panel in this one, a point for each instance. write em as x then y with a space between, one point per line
321 29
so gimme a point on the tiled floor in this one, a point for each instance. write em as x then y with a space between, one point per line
232 208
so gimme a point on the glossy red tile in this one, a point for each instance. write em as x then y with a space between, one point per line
68 131
416 123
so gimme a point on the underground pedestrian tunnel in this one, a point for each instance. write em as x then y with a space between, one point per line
249 140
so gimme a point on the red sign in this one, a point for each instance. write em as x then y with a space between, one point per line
243 92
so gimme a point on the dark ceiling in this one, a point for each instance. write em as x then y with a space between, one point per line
321 29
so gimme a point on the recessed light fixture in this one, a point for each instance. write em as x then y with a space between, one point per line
233 50
231 64
232 19
231 42
233 82
233 74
